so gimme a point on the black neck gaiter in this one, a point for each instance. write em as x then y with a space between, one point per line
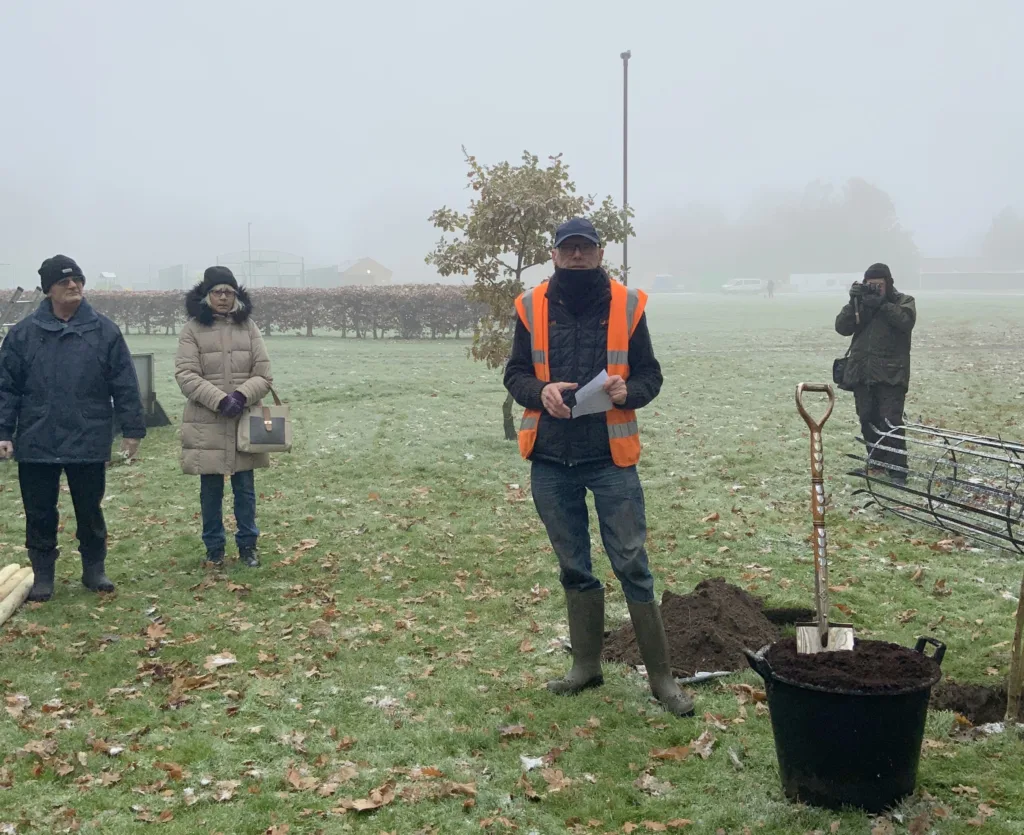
578 288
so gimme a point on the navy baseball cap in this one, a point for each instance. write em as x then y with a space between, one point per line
578 227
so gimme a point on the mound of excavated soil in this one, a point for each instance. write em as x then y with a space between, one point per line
707 630
870 667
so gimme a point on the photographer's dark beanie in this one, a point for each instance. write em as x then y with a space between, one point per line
57 269
877 271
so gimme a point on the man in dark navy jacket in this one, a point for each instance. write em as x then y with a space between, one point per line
596 452
64 371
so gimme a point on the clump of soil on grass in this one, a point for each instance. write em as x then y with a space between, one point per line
977 702
707 629
870 667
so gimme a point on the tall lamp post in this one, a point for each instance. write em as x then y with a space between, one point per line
250 253
625 56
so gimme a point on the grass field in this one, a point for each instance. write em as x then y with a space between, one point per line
394 645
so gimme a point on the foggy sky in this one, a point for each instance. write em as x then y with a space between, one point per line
137 135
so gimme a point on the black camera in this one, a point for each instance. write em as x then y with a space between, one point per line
865 289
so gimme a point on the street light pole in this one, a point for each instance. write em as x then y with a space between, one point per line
251 284
625 56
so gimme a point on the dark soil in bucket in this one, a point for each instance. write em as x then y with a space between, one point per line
870 667
977 702
706 629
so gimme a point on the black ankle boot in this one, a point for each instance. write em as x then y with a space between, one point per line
43 568
247 555
214 558
93 576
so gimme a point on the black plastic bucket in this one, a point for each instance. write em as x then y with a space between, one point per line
843 747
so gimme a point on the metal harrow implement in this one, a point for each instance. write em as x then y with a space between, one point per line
969 485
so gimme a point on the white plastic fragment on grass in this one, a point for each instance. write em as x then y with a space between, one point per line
530 763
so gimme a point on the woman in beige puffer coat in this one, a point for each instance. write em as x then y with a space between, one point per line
221 367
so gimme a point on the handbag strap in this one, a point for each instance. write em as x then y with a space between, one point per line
268 422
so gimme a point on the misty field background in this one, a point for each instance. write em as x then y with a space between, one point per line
392 649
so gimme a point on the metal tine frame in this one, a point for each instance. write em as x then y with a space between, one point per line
999 528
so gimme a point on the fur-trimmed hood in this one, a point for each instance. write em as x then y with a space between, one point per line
197 309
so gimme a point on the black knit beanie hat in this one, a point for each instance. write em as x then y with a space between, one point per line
57 269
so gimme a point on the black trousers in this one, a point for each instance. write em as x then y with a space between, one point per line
877 407
40 488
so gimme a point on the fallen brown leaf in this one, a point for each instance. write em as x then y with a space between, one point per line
222 659
703 744
378 797
17 704
883 826
299 782
225 790
649 784
555 779
529 792
174 771
921 824
676 754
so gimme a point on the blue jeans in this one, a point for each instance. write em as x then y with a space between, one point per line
560 496
211 499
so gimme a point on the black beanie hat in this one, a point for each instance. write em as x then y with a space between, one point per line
57 269
215 276
878 271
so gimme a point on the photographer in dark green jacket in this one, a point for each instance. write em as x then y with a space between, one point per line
880 320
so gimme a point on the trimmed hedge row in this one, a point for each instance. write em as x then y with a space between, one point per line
405 311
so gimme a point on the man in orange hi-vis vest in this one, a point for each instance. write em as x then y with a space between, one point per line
570 329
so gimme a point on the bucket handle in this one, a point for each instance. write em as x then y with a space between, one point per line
940 648
757 662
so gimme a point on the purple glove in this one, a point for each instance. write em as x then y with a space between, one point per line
232 405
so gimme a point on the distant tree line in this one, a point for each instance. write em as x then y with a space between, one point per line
404 311
821 229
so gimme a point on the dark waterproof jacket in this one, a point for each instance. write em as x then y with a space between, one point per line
578 352
60 384
880 350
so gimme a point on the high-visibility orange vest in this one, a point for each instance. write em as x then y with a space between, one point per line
627 306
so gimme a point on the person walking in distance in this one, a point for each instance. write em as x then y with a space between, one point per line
570 329
221 366
65 371
880 320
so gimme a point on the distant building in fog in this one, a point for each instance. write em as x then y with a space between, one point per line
823 282
976 274
265 268
362 271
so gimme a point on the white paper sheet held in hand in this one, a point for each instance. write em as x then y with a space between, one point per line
592 398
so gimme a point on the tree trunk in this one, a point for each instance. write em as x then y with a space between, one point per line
510 424
1016 678
309 326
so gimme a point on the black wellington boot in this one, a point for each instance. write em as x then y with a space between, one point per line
586 634
650 638
43 567
93 576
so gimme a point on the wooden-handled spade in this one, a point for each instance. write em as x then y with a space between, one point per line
820 636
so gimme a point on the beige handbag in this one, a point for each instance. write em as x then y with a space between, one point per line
265 428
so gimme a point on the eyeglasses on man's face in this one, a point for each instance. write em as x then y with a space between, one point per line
584 247
223 294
